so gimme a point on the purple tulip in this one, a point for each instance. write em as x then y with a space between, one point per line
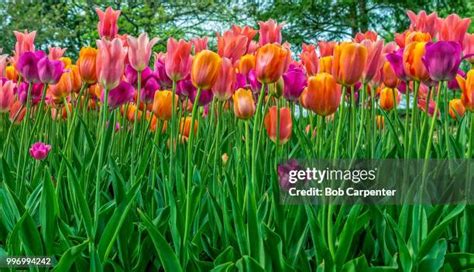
163 79
28 65
204 99
132 75
185 87
295 82
442 59
151 86
240 81
255 85
50 71
36 92
396 61
284 174
121 94
39 150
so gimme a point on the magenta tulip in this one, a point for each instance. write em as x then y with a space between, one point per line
442 60
50 71
39 151
295 82
123 93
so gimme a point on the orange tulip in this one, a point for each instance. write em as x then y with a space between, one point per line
61 113
390 79
154 123
322 95
456 108
76 81
67 61
380 121
244 105
349 62
87 64
467 87
417 37
205 68
17 112
131 113
412 61
387 98
271 62
246 63
286 124
325 64
162 104
185 126
11 73
62 89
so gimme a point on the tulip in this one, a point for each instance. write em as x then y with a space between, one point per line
294 83
50 71
55 53
456 108
204 98
67 61
185 87
24 43
107 26
346 57
413 63
467 88
205 67
325 64
326 48
139 51
271 124
160 71
247 32
36 93
389 98
39 151
270 32
253 46
396 62
244 105
368 35
246 63
6 95
453 28
132 110
400 38
468 47
390 47
110 62
199 44
162 104
271 63
309 59
3 65
185 126
223 88
442 60
427 108
231 46
453 83
423 22
62 88
120 95
178 59
17 112
389 77
87 64
149 89
380 121
11 73
132 75
374 59
28 65
417 37
322 95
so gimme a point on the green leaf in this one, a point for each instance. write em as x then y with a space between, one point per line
30 236
48 212
68 258
434 260
460 261
165 252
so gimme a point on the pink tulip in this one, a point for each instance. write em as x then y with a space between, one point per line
24 43
231 46
309 59
368 35
199 44
326 48
270 32
110 63
56 53
390 47
423 22
453 28
223 88
468 47
375 59
107 26
253 46
39 150
245 31
3 65
178 59
139 51
6 95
